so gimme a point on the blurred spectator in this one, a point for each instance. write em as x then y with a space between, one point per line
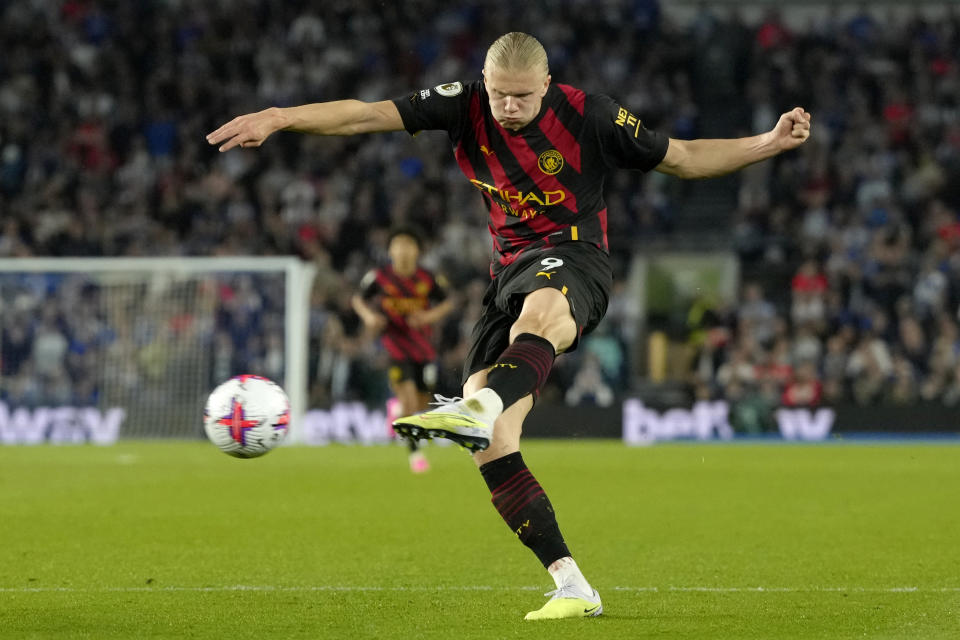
756 315
809 288
868 368
49 347
804 390
835 368
752 409
589 385
903 387
930 289
738 370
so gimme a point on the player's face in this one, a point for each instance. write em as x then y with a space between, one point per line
404 254
515 96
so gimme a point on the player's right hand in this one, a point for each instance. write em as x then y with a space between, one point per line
248 130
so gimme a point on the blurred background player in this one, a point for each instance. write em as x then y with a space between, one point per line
402 301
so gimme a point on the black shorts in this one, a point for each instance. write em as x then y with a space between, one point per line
424 375
579 270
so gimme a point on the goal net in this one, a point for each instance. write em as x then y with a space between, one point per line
95 349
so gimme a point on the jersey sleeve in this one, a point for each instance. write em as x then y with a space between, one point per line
369 286
443 108
625 143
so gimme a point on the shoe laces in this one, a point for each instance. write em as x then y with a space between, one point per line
444 401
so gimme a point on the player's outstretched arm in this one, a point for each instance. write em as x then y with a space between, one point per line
712 158
338 118
432 315
373 320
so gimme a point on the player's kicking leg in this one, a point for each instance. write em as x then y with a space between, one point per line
543 327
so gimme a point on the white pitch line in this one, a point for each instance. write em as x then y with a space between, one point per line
245 587
794 589
335 588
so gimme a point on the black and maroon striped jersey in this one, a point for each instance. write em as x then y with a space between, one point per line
397 297
542 184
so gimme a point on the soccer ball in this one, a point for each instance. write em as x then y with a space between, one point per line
247 416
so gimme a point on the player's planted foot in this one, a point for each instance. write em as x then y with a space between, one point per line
466 421
568 602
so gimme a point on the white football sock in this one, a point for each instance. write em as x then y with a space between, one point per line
565 572
492 405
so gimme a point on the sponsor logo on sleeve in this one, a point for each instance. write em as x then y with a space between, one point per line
449 89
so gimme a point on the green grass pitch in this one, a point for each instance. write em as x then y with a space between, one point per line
176 540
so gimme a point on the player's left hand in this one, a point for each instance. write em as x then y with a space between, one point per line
792 130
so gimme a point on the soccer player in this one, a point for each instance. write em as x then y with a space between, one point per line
538 153
403 300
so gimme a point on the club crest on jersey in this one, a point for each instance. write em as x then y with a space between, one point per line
550 162
449 89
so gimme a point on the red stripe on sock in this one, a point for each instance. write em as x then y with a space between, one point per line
536 366
520 496
506 485
533 497
509 498
536 354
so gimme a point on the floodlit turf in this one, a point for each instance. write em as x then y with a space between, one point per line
148 540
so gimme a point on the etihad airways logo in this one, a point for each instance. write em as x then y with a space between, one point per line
404 306
520 198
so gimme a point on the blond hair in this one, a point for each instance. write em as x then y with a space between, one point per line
517 51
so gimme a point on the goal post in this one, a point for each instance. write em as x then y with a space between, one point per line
144 339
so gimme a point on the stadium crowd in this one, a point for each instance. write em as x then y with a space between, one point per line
850 248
